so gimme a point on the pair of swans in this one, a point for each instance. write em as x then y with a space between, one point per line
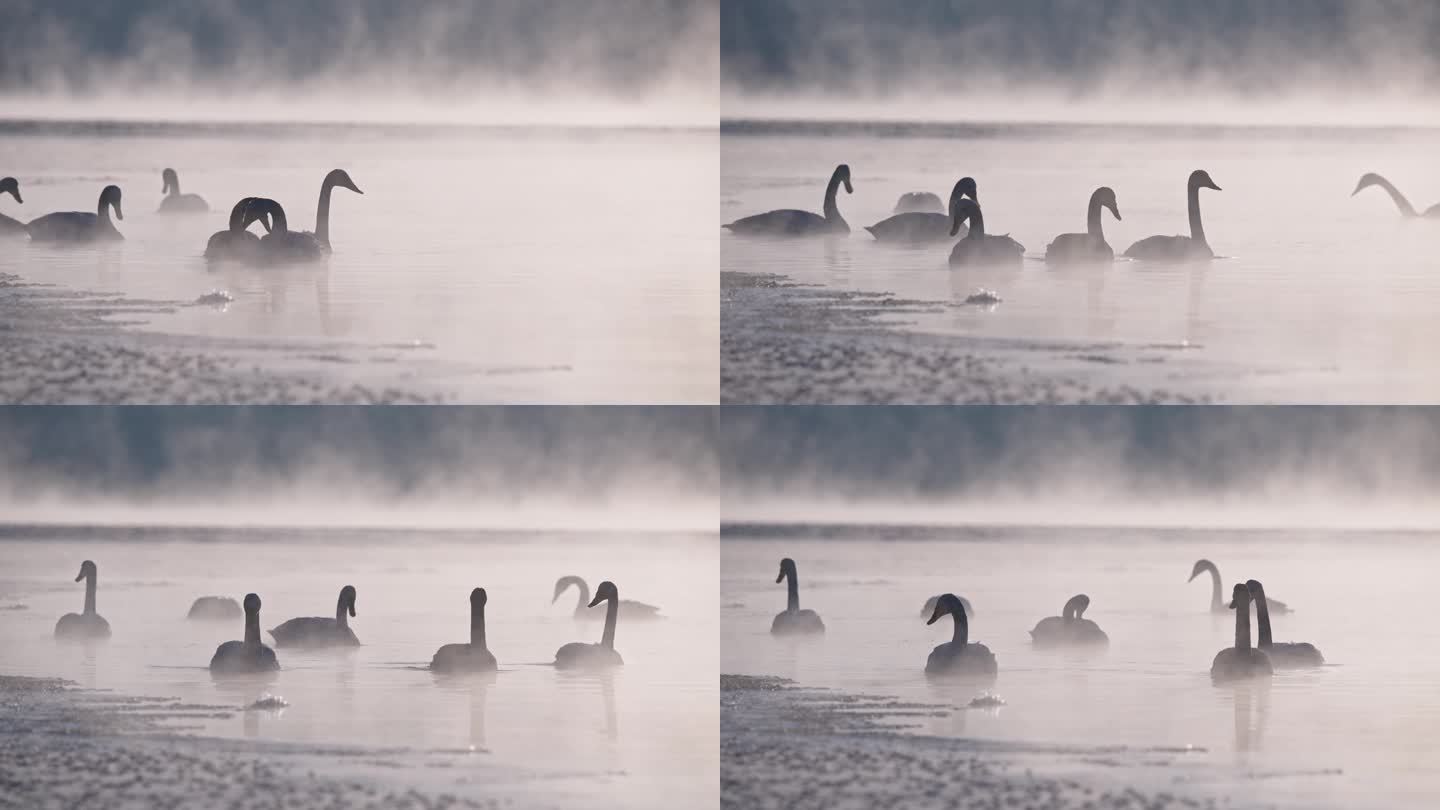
252 657
1406 209
475 656
1244 661
585 609
280 245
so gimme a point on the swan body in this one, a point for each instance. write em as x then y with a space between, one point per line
921 226
1406 209
176 203
1089 247
317 631
236 243
1241 662
87 625
1180 248
929 609
248 657
979 248
793 620
958 658
215 608
458 659
1217 605
8 226
790 222
1070 630
77 226
919 202
1284 655
576 655
630 610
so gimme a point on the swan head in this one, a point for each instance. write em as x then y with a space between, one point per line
1077 605
946 605
1367 180
787 567
341 178
87 569
477 598
1106 196
964 188
267 211
842 173
111 196
347 597
1239 596
605 591
1254 588
1201 566
1201 179
960 211
11 186
170 180
252 604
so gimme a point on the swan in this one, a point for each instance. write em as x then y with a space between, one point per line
789 222
319 631
215 608
8 226
1406 209
1241 661
88 625
246 657
930 603
1216 604
919 202
957 657
454 659
629 608
915 227
284 246
77 226
793 620
1180 248
236 242
577 655
176 203
1286 655
1088 247
1072 629
978 247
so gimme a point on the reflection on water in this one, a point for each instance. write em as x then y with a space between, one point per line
1306 736
644 735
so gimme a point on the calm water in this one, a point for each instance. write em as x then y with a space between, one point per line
536 265
644 736
1359 731
1320 298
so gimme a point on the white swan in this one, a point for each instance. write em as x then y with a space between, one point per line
1089 247
248 657
1180 248
919 202
1406 209
455 659
88 625
1217 605
958 658
1070 630
793 620
176 203
576 655
918 227
790 222
321 631
979 248
214 608
1242 661
8 226
630 610
78 226
1285 655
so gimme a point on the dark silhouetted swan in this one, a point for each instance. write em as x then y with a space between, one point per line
1089 247
1406 209
1285 655
177 203
247 657
1180 248
1241 661
87 625
319 631
793 620
577 655
8 226
929 609
920 227
236 243
979 248
1071 629
789 222
919 202
215 608
1217 605
456 659
284 246
958 658
77 226
630 610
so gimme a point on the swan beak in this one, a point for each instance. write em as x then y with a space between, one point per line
1217 188
120 215
1231 605
849 189
1115 209
80 575
597 600
1193 574
934 617
781 577
16 192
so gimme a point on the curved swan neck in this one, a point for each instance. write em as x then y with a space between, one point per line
1242 623
961 636
1073 608
1215 601
1400 202
1197 230
1092 217
612 611
322 212
832 211
792 590
340 617
1262 616
583 603
477 626
90 592
252 628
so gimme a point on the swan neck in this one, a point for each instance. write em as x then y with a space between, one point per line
1262 617
90 594
1092 219
961 635
322 214
1197 230
832 211
252 628
477 627
1215 601
792 591
612 611
1069 611
340 616
1242 624
1400 202
583 603
977 223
